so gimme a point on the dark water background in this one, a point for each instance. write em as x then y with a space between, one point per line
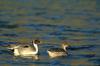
52 21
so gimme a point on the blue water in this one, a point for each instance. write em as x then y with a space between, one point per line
51 21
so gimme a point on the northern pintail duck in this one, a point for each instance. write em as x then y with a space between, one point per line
25 49
58 52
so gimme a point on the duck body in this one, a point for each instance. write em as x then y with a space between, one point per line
57 52
25 49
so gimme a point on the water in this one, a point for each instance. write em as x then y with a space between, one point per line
51 21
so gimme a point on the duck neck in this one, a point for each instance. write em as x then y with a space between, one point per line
36 47
65 48
16 52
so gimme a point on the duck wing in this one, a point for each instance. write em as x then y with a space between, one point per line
56 50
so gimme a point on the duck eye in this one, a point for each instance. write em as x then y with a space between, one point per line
25 46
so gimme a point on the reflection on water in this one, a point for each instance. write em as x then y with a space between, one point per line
75 21
34 57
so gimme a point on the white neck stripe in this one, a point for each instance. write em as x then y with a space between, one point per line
36 47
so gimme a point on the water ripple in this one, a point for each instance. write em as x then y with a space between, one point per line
9 35
3 43
96 61
87 55
82 47
5 24
62 28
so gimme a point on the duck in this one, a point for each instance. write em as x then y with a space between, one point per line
58 52
25 49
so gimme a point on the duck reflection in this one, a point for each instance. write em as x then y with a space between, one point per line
33 57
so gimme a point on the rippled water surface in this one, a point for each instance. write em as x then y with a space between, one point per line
51 21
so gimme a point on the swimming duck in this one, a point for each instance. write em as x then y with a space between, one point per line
58 52
25 49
